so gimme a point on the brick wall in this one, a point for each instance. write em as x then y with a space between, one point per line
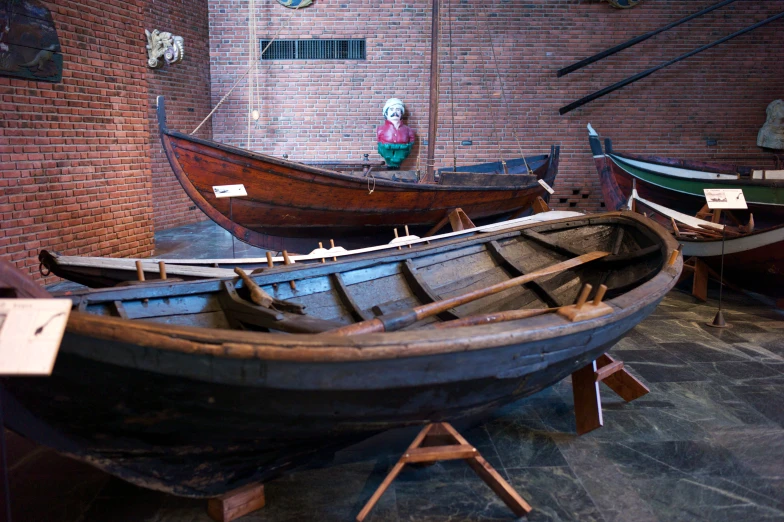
76 174
186 88
74 167
329 109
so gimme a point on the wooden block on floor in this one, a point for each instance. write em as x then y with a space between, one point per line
237 503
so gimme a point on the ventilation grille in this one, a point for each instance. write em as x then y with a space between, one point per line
313 50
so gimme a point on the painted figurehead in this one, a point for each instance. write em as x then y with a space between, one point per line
771 135
395 140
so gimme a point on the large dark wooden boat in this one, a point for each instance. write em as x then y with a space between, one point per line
100 272
192 389
753 259
294 206
678 184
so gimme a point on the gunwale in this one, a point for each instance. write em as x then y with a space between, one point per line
325 348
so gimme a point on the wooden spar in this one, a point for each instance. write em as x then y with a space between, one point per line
638 39
640 76
496 317
397 320
432 126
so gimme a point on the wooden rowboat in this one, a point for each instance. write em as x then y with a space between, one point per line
192 389
678 184
753 261
99 272
293 206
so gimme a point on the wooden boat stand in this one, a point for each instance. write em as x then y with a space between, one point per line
585 389
237 503
585 381
440 441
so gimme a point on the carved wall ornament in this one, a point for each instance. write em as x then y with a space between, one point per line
295 4
623 4
771 135
163 45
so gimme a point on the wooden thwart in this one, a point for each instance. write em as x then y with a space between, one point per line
440 441
237 503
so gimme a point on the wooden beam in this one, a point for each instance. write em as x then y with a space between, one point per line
422 290
353 308
237 503
514 270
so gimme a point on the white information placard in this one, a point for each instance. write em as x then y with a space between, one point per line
229 191
725 198
547 187
30 334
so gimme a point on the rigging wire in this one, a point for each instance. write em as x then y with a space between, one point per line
452 86
506 102
246 72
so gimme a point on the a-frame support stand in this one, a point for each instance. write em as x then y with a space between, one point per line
440 441
585 387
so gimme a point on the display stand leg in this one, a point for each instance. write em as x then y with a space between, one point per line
585 388
237 503
231 218
718 320
440 441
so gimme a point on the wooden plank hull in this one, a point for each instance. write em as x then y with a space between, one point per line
153 385
292 205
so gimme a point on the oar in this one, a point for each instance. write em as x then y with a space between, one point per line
401 319
495 317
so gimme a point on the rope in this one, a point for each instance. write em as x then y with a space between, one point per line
452 89
506 103
244 74
370 190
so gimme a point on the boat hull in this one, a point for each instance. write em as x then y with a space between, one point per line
294 206
752 262
191 388
649 175
194 438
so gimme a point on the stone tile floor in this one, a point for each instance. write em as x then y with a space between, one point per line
706 444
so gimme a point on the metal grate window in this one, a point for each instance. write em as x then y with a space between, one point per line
313 50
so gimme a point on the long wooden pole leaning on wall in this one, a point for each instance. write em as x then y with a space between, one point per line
432 126
638 39
640 76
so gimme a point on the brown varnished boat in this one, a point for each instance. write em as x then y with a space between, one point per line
193 389
294 206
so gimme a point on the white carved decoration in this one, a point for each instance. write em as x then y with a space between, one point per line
163 45
771 135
